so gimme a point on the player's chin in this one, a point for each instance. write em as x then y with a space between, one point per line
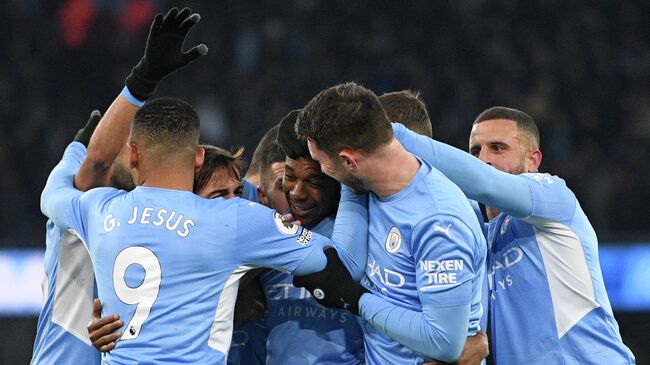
306 215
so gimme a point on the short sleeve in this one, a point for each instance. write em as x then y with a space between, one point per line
552 199
265 239
443 253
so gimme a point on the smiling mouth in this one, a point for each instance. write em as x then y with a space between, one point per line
301 209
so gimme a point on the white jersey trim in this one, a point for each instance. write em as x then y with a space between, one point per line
221 331
567 273
75 283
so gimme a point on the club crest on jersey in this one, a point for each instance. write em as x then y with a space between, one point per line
283 226
394 240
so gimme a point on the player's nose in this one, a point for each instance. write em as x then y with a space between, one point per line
298 192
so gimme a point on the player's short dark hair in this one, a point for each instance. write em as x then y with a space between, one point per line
407 108
272 153
258 155
291 145
345 116
217 158
165 127
525 122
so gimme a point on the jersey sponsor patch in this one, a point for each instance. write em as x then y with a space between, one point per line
304 238
394 240
283 226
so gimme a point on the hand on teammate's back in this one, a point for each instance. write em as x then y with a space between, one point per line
333 287
102 331
84 134
164 53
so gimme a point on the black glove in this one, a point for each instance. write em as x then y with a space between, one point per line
84 134
333 287
164 51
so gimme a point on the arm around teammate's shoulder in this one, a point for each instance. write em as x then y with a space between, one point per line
478 180
264 239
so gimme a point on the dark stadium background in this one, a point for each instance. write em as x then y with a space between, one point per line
582 71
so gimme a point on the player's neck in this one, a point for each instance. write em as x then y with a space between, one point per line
491 213
173 178
392 170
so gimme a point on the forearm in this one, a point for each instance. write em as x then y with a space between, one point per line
105 145
59 191
350 232
478 180
438 333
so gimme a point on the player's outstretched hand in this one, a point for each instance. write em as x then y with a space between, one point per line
164 53
102 330
84 134
333 287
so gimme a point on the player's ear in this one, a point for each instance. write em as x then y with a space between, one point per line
534 160
349 158
134 158
261 194
199 158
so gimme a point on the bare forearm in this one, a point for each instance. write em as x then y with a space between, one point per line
107 141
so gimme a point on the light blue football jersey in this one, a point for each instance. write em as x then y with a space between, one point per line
422 242
248 345
169 262
547 299
547 296
301 331
68 289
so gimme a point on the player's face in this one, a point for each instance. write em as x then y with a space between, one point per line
311 194
500 144
272 182
223 184
335 169
120 177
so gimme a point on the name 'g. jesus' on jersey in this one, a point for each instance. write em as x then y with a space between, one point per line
169 262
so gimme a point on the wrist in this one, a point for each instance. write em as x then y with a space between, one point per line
126 94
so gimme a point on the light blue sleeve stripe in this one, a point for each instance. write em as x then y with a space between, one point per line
132 99
478 180
438 333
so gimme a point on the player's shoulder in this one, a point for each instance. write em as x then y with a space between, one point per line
545 184
249 208
101 194
544 178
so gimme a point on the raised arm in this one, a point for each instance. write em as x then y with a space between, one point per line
478 180
163 55
59 197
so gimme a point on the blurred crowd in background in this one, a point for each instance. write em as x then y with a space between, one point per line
581 71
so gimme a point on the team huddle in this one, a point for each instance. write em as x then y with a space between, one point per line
352 238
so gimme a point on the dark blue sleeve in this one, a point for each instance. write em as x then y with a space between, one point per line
250 191
479 181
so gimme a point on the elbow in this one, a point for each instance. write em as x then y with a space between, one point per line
446 349
454 351
451 352
44 201
98 162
